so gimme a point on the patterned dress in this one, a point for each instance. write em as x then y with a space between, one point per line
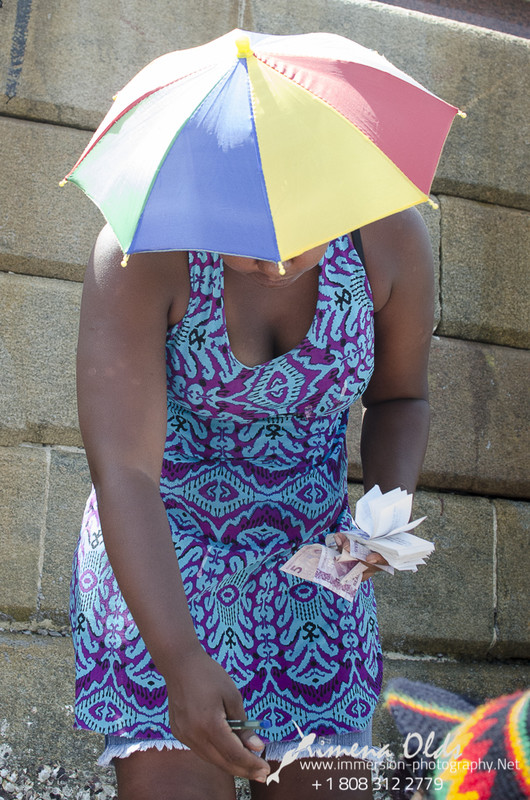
254 467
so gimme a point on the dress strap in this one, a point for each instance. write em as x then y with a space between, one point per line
357 243
204 270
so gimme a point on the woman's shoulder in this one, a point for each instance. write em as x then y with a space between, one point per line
107 255
397 251
152 280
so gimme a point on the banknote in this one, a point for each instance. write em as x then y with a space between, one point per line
319 564
354 551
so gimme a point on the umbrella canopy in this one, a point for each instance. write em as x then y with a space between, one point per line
262 146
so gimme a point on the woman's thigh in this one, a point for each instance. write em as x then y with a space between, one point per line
171 775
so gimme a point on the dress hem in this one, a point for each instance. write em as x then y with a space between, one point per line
355 744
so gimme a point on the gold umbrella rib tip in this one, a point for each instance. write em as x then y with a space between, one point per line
244 49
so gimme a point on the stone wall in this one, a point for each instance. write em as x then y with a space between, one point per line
461 622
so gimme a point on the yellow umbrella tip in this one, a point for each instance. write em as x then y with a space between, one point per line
244 49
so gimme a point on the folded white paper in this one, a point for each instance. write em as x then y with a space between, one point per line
382 525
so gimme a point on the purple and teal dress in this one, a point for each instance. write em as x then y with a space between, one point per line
255 466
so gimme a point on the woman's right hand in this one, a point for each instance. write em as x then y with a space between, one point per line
201 697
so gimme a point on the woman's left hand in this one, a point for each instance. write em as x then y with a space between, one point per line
373 559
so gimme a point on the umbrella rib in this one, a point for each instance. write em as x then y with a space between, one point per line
261 172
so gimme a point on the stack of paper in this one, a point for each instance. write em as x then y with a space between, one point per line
382 525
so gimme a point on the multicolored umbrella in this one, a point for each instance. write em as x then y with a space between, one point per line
262 146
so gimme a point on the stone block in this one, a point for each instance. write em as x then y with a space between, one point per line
23 492
475 69
44 230
36 707
484 283
447 606
353 439
64 64
479 439
479 434
68 492
478 680
513 600
38 336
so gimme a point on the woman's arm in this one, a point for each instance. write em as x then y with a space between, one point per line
395 428
123 414
396 418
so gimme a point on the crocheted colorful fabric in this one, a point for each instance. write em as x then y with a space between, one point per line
494 758
254 467
425 710
484 757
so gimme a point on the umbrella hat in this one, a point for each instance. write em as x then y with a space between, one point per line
262 146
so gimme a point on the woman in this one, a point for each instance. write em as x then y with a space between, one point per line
232 382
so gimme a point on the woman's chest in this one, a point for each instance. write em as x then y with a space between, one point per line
262 323
310 355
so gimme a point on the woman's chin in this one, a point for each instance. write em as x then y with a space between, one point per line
273 282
